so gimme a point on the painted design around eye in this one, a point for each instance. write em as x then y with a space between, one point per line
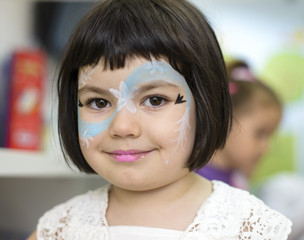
150 71
179 99
85 139
124 96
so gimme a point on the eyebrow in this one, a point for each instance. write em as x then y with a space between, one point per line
156 84
92 89
143 88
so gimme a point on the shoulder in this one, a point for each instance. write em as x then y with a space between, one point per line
255 218
86 209
236 214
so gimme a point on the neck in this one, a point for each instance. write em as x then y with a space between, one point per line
164 194
173 206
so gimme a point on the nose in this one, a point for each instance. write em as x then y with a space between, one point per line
125 124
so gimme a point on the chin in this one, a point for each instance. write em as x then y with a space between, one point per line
137 186
131 182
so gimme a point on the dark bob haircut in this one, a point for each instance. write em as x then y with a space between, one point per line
175 30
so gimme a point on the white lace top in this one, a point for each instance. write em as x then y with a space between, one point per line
228 213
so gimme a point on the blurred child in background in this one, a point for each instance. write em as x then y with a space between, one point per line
257 112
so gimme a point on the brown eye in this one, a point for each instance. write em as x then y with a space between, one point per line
101 103
155 101
98 103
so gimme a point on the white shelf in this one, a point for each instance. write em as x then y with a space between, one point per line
21 163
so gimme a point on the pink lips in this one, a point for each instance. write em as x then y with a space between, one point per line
128 156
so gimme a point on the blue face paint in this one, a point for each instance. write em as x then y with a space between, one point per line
148 72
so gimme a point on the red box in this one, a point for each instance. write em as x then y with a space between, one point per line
25 120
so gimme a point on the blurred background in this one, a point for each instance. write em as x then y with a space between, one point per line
268 35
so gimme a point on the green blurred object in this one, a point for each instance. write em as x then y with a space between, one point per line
280 158
284 72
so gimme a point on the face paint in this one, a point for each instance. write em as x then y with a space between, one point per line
87 130
85 139
124 96
85 74
179 99
148 72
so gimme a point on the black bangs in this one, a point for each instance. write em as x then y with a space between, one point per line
126 29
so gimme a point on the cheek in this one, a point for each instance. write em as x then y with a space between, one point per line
237 146
171 133
244 152
164 131
90 145
86 147
93 154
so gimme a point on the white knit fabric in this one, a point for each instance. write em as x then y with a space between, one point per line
227 214
142 233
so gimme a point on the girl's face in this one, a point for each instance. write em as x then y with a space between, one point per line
250 137
136 124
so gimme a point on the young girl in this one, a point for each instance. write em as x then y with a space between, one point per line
257 112
143 101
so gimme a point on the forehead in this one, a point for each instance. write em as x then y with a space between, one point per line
136 73
262 118
256 103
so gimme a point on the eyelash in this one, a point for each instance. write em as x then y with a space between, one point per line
163 99
90 101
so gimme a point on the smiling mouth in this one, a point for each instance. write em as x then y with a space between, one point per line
128 156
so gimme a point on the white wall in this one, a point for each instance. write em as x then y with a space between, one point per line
254 29
15 26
